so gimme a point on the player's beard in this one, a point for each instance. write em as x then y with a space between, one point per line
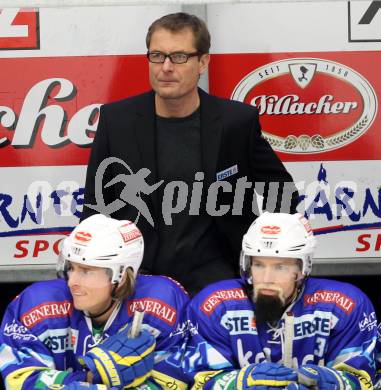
268 308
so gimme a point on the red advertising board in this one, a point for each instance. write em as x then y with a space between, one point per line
49 116
313 106
19 29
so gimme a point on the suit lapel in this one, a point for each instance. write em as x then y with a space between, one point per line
146 137
211 134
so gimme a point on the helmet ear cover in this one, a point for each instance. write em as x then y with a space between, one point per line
104 242
278 235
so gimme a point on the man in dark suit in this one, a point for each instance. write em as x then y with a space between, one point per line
193 159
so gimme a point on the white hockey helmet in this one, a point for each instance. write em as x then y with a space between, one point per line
104 242
278 235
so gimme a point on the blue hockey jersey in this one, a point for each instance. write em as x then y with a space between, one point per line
378 358
333 324
42 334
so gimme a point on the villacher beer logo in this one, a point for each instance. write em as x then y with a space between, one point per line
309 105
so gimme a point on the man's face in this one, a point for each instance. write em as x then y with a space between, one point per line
90 287
274 282
175 81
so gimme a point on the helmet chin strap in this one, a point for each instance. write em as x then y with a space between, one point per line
113 300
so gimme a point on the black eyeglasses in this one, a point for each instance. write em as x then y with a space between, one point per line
157 57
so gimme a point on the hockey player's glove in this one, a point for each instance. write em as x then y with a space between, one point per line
296 386
121 361
269 376
84 386
318 377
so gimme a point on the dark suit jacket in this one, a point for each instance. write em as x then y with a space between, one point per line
230 135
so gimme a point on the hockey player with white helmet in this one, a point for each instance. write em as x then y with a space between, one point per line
77 332
276 327
281 252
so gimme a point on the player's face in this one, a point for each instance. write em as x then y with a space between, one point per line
275 277
175 81
90 287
